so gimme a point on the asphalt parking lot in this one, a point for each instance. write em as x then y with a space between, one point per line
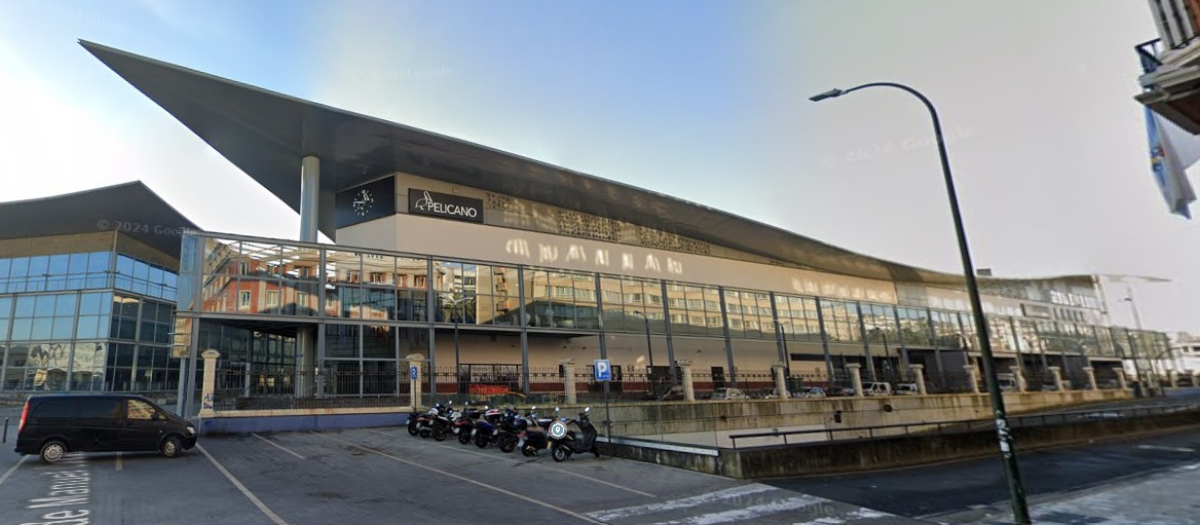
385 476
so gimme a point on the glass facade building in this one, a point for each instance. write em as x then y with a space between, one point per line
86 321
367 310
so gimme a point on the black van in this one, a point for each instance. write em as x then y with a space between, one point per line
52 425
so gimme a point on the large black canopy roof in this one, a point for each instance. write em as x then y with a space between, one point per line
266 134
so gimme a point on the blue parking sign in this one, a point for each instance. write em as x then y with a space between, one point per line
603 370
412 372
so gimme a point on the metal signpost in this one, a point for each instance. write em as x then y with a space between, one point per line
603 371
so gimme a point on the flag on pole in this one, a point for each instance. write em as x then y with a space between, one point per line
1172 152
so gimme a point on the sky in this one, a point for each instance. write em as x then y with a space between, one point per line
702 100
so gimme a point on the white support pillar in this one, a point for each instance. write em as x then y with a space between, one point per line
780 380
414 385
1122 383
569 380
689 386
1173 378
1020 378
1091 377
209 385
973 377
1058 381
919 377
310 191
855 370
1195 377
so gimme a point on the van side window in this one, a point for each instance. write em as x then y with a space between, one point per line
140 410
55 409
99 408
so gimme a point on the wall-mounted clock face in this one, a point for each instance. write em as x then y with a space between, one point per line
366 202
363 202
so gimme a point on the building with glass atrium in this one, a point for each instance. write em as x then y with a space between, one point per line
493 269
88 290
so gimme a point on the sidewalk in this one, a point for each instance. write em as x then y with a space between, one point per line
1164 498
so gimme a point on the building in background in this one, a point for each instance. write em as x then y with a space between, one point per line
88 285
492 269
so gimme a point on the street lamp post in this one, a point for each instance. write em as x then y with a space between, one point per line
1008 453
649 347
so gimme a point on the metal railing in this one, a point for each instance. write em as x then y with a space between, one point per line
286 388
938 428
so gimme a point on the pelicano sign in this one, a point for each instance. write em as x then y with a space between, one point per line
421 202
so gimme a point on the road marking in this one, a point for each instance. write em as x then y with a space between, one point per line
747 513
12 469
119 466
682 503
250 495
467 480
276 445
1168 449
505 458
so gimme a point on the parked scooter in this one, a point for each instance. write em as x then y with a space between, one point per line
533 438
564 443
487 428
509 430
440 425
422 424
464 423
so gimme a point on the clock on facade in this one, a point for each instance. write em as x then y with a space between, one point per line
363 202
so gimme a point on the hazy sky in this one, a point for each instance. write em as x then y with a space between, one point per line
706 101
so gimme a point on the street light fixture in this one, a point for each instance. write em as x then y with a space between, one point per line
1008 452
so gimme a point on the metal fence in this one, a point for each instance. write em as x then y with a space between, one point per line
287 388
950 427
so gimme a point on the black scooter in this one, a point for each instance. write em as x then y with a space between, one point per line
532 433
563 443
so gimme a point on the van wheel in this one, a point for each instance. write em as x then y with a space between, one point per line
171 447
53 451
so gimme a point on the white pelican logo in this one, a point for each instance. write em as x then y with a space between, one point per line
424 203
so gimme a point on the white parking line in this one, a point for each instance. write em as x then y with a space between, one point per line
277 445
1168 449
250 495
544 467
539 503
12 469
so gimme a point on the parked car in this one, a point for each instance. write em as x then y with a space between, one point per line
52 425
877 389
728 393
907 389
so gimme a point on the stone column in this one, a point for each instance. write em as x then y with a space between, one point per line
919 377
1121 382
856 378
1091 377
569 381
414 385
780 380
689 388
210 382
1195 377
1057 373
1016 372
1172 378
973 377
